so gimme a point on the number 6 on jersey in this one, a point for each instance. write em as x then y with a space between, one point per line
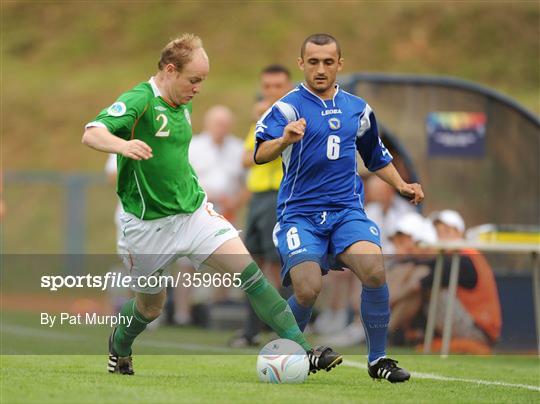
332 147
293 240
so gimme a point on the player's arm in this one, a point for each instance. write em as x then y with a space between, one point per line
390 175
99 138
112 129
379 160
268 150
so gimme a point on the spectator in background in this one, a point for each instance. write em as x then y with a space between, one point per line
477 313
216 156
263 183
412 263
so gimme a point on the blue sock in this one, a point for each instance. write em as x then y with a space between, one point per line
301 314
375 311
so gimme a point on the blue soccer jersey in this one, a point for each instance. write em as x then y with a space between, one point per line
320 171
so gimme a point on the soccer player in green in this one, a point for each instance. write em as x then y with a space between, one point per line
166 213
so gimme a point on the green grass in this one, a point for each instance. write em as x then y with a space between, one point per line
193 365
232 378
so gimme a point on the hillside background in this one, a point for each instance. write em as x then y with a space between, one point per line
64 61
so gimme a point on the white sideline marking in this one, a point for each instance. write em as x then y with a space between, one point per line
36 332
431 376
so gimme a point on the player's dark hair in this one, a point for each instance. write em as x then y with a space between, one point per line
320 39
179 51
276 68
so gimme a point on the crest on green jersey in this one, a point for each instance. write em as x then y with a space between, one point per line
117 109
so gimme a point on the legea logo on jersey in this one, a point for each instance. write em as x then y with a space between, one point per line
188 118
331 112
334 123
117 109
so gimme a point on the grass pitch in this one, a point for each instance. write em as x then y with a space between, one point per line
191 365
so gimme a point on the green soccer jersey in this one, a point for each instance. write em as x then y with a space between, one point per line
165 184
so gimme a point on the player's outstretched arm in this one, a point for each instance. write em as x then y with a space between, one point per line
271 149
390 175
101 139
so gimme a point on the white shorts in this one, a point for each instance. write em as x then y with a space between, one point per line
152 245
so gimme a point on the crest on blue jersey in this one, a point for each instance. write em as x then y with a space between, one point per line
334 123
117 109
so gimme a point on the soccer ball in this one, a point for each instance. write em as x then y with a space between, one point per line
282 361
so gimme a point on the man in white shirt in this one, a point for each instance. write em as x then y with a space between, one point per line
216 156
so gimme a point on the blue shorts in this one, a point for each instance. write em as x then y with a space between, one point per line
321 237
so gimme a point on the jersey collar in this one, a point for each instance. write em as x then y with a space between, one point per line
157 93
319 99
155 88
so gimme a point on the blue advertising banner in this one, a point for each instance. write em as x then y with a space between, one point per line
456 134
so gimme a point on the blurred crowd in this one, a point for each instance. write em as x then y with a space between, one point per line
246 195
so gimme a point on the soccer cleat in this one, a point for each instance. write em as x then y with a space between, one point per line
119 364
387 368
323 357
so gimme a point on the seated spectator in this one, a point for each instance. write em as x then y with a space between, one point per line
412 264
477 312
476 322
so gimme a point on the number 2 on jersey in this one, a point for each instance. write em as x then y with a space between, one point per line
332 147
161 132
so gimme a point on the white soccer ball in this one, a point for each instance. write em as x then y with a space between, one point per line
282 361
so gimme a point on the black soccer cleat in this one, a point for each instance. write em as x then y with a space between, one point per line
323 357
387 368
119 364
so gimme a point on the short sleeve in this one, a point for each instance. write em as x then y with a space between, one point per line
368 143
274 120
120 117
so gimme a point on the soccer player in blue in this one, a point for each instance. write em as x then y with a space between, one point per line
317 129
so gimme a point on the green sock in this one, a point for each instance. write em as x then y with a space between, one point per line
125 335
270 306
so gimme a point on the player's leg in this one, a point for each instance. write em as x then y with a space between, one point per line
356 243
267 302
365 259
140 311
148 252
253 234
233 257
306 279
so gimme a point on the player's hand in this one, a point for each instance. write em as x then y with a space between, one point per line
413 192
137 150
294 131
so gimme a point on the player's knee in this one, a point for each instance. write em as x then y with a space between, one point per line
151 312
306 295
374 277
